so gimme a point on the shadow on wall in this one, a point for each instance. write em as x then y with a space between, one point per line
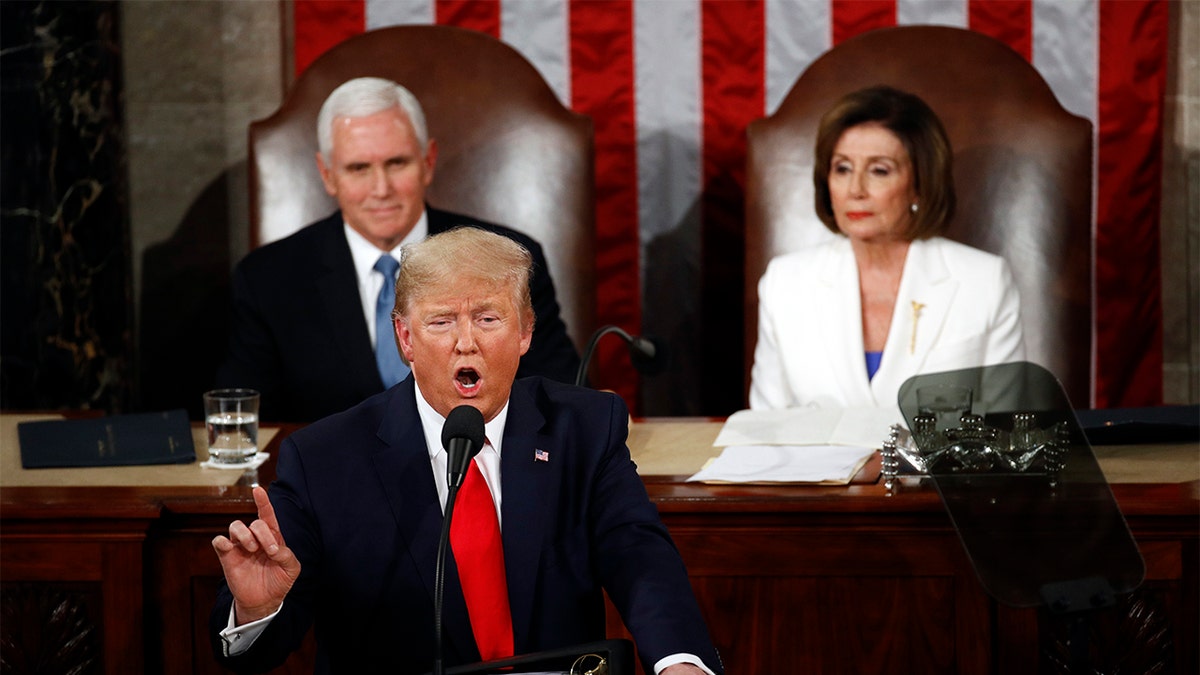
184 307
722 262
671 298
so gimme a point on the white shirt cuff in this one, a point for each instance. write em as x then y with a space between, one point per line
680 658
237 639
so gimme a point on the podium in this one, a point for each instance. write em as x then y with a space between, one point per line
1024 491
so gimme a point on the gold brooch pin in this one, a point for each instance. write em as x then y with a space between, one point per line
916 314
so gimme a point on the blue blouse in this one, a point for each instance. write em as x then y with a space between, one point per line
873 360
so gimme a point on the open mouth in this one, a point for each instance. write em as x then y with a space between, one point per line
467 378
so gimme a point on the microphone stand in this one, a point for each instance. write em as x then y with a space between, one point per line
462 437
439 580
641 352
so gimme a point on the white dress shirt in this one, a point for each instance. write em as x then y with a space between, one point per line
370 280
488 458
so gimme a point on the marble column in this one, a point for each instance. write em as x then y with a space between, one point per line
64 217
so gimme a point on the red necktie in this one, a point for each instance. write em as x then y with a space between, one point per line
479 555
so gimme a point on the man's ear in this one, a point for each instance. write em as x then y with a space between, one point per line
326 175
527 333
430 160
403 340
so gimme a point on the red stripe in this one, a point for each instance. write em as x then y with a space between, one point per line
733 76
321 24
1009 21
602 86
1132 86
479 15
852 17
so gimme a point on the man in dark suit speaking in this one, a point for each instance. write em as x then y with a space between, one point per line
349 535
307 310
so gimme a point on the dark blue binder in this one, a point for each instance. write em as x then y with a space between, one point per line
118 440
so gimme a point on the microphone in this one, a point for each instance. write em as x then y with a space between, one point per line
462 437
648 354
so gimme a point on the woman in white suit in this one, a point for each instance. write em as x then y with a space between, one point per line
844 324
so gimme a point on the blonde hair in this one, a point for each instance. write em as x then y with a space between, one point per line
465 255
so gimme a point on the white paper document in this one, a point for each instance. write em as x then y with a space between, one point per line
862 427
830 464
797 445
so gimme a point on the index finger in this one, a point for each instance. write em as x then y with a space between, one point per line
266 512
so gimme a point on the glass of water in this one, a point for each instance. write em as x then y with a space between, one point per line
231 416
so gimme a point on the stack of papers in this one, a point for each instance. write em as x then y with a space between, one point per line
797 445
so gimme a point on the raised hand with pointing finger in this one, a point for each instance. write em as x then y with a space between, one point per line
259 567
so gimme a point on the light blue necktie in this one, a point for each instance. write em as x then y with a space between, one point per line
387 354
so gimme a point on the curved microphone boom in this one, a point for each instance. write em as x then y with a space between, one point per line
462 437
648 354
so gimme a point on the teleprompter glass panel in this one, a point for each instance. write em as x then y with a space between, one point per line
1021 484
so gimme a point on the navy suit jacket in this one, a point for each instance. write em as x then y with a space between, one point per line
298 335
357 503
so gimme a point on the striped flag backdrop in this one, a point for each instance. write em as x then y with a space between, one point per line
671 86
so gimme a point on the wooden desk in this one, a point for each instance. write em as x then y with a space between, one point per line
791 578
854 580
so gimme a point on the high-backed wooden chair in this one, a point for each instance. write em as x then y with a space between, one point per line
508 151
1022 171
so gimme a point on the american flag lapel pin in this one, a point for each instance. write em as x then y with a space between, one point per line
540 455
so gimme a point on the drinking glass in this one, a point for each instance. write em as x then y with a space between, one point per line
231 416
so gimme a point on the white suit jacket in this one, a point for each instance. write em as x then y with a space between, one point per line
957 307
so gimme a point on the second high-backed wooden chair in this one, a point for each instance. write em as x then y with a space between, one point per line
1022 171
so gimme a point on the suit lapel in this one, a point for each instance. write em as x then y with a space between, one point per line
926 292
530 488
337 287
404 469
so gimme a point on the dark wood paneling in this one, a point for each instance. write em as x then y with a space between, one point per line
51 627
48 556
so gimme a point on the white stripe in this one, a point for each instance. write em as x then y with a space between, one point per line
668 113
670 132
1065 38
798 31
383 13
932 12
539 30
